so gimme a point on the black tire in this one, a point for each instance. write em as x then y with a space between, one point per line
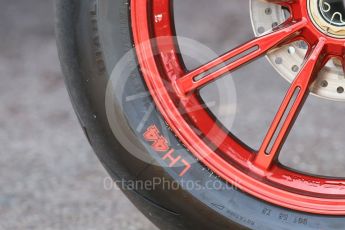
92 37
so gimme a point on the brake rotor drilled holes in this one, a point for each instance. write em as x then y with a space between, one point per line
340 89
261 30
268 11
274 25
295 68
302 45
278 61
324 83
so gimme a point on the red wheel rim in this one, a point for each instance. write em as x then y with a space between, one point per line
257 173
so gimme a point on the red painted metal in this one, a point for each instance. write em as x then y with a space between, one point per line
258 47
300 88
175 94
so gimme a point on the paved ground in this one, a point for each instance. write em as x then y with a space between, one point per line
50 178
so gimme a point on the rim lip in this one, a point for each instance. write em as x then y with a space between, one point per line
257 188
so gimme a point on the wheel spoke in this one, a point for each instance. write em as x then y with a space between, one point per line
238 56
290 108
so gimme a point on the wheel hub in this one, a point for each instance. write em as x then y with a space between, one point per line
327 17
333 11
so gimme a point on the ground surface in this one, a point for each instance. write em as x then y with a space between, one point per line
50 178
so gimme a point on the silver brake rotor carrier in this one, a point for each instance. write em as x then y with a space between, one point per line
287 60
